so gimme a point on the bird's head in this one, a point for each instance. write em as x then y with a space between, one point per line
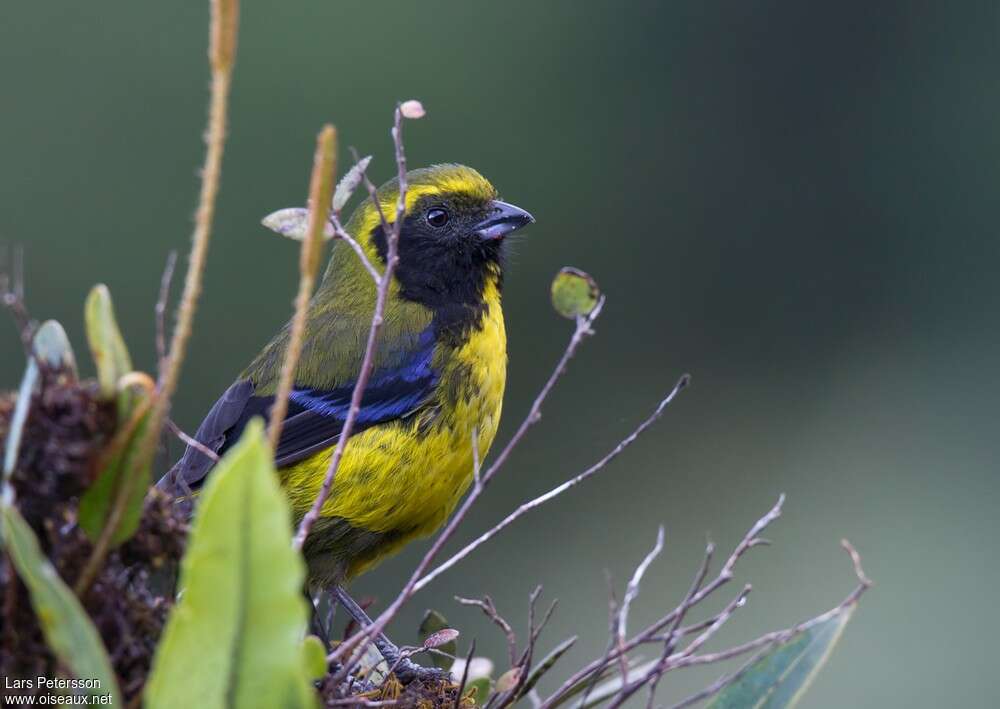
452 238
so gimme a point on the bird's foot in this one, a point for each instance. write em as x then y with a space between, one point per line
407 671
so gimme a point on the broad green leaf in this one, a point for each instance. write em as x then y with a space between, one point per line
349 182
314 657
234 639
574 293
432 623
116 465
545 665
107 346
65 624
781 677
52 347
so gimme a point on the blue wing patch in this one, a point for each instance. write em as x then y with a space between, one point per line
315 417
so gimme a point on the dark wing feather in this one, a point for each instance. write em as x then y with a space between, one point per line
315 417
213 433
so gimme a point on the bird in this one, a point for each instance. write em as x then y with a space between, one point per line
436 387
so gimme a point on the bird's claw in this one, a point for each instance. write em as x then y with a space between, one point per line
407 671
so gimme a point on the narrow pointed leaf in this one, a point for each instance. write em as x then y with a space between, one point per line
117 463
349 182
782 676
293 222
234 639
16 427
545 665
107 346
52 347
66 626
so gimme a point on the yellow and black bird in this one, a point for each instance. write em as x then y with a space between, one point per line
439 375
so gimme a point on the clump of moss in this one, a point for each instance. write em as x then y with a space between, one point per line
417 694
67 429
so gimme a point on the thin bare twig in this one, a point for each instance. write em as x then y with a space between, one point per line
320 189
554 492
341 233
738 602
489 608
699 579
465 674
620 629
764 642
582 330
12 297
368 363
632 590
648 634
160 311
189 440
372 191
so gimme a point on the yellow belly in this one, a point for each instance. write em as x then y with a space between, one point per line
406 477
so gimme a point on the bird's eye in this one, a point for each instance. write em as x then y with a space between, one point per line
437 217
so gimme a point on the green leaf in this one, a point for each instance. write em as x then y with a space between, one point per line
29 383
546 664
52 347
509 679
432 623
117 463
107 346
349 182
781 677
234 639
314 657
574 293
66 626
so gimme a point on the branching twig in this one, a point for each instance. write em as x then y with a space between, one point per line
367 364
12 297
632 590
699 579
582 330
554 492
488 607
749 540
687 657
320 189
341 233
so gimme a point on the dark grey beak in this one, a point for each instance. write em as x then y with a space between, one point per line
502 219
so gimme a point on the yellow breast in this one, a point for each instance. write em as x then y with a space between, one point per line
407 477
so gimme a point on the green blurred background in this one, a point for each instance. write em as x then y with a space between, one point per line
793 201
